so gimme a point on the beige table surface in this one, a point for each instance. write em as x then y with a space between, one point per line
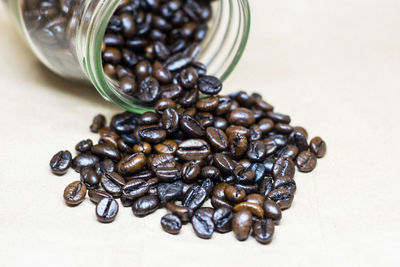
333 65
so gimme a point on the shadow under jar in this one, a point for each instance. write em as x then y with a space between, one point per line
67 36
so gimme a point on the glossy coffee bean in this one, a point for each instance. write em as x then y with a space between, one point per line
217 203
209 85
217 138
106 210
248 188
152 134
145 205
166 147
233 194
281 197
283 128
306 161
128 85
113 183
237 130
255 209
60 162
283 167
193 149
210 172
263 230
135 188
131 163
84 146
171 224
191 127
84 160
142 147
168 174
241 224
238 145
202 222
220 123
288 151
188 77
104 166
255 198
96 195
318 147
278 117
285 182
191 171
183 213
299 139
170 120
256 151
266 186
207 104
272 211
149 118
171 91
169 191
124 147
266 125
149 90
98 122
195 197
90 177
222 219
224 163
161 160
189 98
106 151
242 117
74 193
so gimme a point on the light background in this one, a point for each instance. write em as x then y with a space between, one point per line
334 66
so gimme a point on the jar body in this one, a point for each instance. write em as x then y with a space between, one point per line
67 35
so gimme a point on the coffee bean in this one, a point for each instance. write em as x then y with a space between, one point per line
285 182
60 162
282 197
84 160
163 75
149 90
222 219
190 171
318 147
162 160
259 170
283 167
193 149
152 133
142 147
113 183
263 230
217 138
266 186
237 130
106 210
207 103
238 145
248 188
278 117
75 193
135 188
255 133
256 151
272 211
242 117
171 91
183 213
169 191
288 151
171 224
170 120
84 146
255 209
217 203
108 136
145 205
202 222
124 147
106 151
188 77
224 163
124 122
191 127
149 118
210 172
98 122
131 163
255 199
266 125
299 139
233 194
269 165
96 195
189 98
195 197
89 177
168 174
209 85
306 161
220 123
104 166
241 224
283 128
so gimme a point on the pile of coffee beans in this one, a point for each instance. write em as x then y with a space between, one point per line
221 163
151 48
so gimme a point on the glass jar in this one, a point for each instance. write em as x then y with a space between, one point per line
70 44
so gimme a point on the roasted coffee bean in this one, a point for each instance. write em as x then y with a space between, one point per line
208 185
285 182
162 160
170 120
195 197
269 165
84 146
255 133
299 139
135 188
207 104
171 91
168 174
289 151
145 205
306 161
145 174
220 123
171 224
113 183
255 198
238 145
163 104
84 160
153 134
318 147
277 117
131 163
256 151
124 122
244 175
263 230
259 170
244 162
112 55
60 162
182 212
106 151
244 99
283 128
224 163
169 191
202 222
210 172
191 127
188 77
255 209
124 147
99 122
193 149
248 188
209 85
142 147
149 118
96 195
149 90
126 202
75 193
190 171
283 167
272 211
266 186
189 98
217 203
89 177
266 125
217 138
222 219
206 119
162 74
153 181
166 147
108 136
241 224
282 197
237 130
104 166
233 194
106 210
242 117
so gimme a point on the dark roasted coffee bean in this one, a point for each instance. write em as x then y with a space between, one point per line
255 198
242 117
162 160
182 212
202 222
170 120
299 139
224 163
153 134
277 117
128 85
217 138
75 193
171 91
207 103
106 151
318 147
248 188
131 163
261 104
145 205
263 230
234 130
208 185
244 175
113 183
244 99
283 128
89 177
233 194
285 182
162 74
210 172
255 133
153 181
256 151
244 162
217 203
209 85
191 127
220 123
177 62
124 147
190 171
149 90
60 162
188 77
289 151
255 209
106 210
96 195
149 118
166 147
145 174
241 224
195 197
189 98
266 125
98 122
142 147
104 166
84 146
108 136
269 165
238 145
124 122
135 188
259 170
283 167
169 191
206 119
171 224
306 161
84 160
112 55
272 211
193 149
164 103
162 52
222 219
281 197
266 186
168 174
126 202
